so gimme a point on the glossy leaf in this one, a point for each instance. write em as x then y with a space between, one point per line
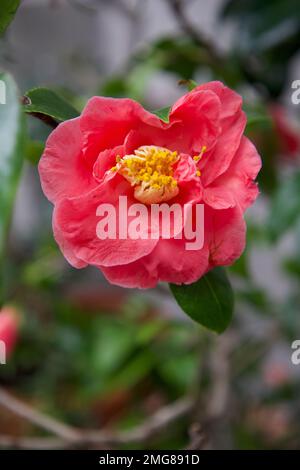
208 301
48 103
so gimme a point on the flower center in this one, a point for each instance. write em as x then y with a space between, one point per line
150 171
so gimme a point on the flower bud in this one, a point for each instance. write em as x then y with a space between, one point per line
9 327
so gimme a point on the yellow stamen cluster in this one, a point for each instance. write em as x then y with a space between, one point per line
152 165
150 170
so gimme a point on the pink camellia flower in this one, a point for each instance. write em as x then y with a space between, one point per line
9 327
117 148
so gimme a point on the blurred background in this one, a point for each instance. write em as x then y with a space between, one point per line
96 356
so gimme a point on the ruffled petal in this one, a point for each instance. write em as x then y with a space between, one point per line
231 102
236 186
105 123
106 160
133 275
62 168
232 123
172 262
198 113
76 220
225 232
66 247
169 262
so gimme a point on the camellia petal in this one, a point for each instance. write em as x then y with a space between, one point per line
105 123
199 114
236 186
63 170
77 220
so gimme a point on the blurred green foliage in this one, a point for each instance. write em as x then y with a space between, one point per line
8 9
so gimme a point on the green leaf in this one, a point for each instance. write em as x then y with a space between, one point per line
285 208
208 301
8 10
48 103
257 117
34 150
163 113
258 120
12 138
